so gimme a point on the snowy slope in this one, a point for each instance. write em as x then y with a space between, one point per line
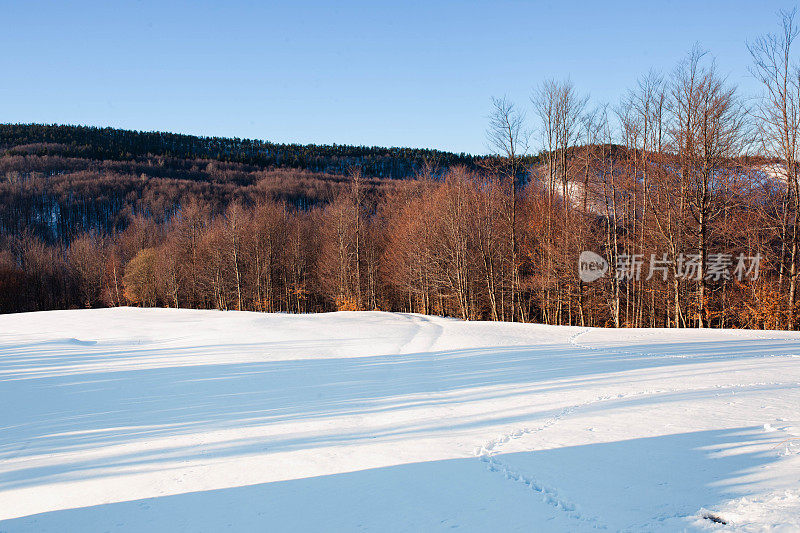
177 420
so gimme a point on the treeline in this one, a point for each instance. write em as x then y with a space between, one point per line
122 145
687 193
57 198
440 246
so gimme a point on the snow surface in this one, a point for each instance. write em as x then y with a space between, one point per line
176 420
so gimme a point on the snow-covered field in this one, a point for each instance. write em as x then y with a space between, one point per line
176 420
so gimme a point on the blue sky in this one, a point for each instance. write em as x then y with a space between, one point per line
377 73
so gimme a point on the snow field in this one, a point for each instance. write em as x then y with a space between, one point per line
178 420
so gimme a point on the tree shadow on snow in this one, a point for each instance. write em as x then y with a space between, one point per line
86 408
638 484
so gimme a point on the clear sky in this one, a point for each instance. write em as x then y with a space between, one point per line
400 73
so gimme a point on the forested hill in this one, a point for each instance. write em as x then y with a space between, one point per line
120 145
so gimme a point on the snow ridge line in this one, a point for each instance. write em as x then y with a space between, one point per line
573 340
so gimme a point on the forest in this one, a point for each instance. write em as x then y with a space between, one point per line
122 145
684 173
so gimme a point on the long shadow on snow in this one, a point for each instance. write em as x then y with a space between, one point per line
632 485
116 407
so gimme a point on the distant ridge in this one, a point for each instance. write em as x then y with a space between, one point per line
120 145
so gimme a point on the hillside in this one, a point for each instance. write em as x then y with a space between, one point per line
59 181
123 145
101 218
177 420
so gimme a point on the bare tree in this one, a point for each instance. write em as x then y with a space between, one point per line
708 130
778 119
234 224
561 113
508 138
